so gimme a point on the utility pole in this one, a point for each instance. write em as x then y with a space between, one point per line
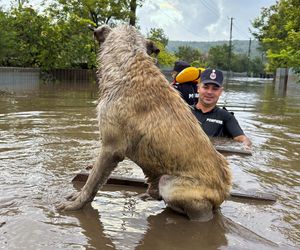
249 52
230 46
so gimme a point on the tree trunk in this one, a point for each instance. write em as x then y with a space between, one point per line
133 6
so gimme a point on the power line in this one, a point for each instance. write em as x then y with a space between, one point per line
210 3
208 6
213 11
241 32
184 27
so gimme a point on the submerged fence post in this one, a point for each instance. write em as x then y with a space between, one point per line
281 81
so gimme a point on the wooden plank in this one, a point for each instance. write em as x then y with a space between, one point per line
254 196
118 180
139 182
231 150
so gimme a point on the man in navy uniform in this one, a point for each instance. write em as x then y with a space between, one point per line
215 121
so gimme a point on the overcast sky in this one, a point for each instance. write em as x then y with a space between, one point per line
201 20
195 20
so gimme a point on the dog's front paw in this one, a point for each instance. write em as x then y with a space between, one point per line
73 196
69 205
74 202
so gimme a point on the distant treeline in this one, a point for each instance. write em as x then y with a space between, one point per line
239 46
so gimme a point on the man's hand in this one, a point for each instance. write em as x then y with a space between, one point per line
245 140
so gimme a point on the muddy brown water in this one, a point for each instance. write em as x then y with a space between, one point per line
49 133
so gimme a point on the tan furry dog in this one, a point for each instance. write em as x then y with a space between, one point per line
143 118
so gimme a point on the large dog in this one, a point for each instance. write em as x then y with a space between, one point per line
143 118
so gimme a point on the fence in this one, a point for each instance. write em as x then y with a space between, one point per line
285 79
16 79
13 79
71 75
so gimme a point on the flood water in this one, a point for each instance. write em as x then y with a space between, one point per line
49 133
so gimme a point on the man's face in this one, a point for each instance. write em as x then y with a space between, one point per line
209 94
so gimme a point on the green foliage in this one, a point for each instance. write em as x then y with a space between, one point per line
98 12
158 35
73 44
35 41
59 37
239 46
190 55
256 66
199 64
165 58
7 38
218 57
239 63
278 30
22 29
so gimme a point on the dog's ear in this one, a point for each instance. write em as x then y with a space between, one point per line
151 48
101 33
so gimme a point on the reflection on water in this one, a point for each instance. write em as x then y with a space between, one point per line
50 133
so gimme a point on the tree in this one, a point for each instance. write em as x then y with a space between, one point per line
32 39
97 12
24 27
132 17
133 6
239 62
7 39
71 45
256 66
59 37
278 30
158 36
218 57
190 54
72 19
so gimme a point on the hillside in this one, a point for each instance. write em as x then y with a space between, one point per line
239 46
